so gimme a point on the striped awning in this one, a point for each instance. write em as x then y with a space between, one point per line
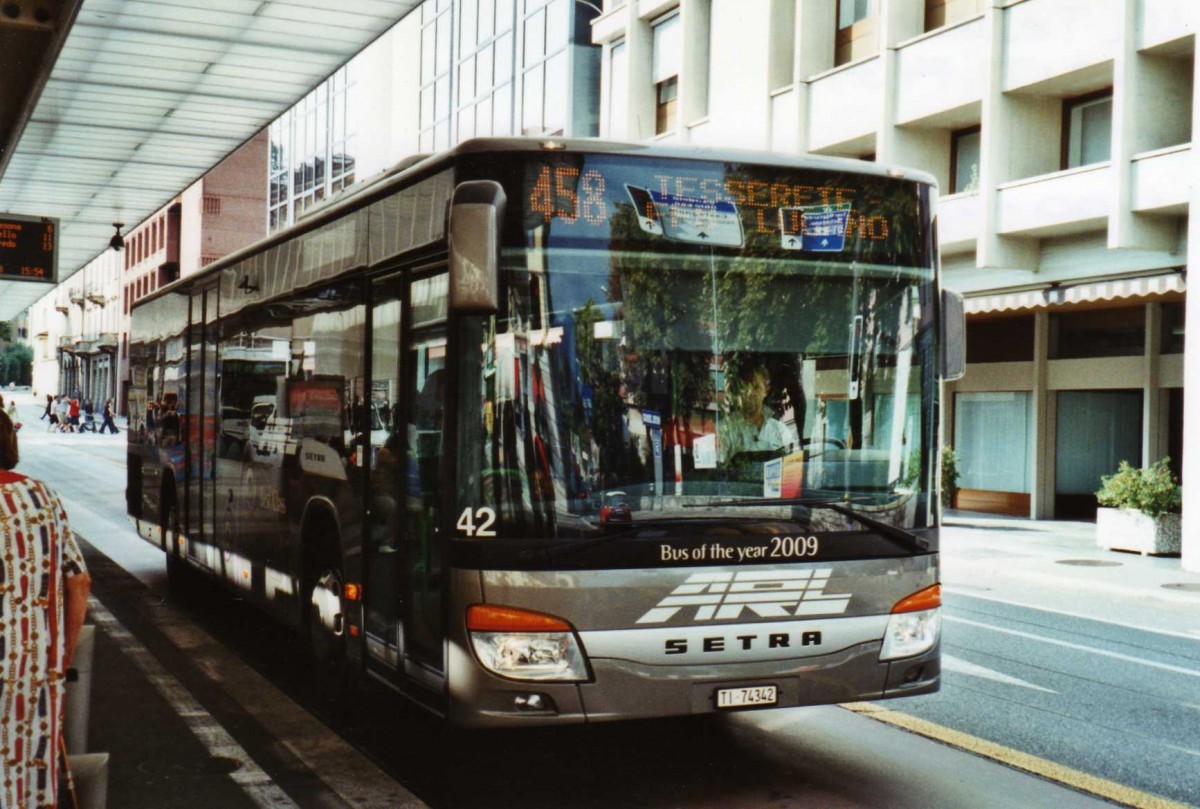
1077 293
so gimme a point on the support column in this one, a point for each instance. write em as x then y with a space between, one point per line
1000 116
1191 357
1152 398
1131 106
1041 478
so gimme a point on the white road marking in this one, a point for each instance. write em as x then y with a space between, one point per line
960 666
1077 646
253 780
1191 634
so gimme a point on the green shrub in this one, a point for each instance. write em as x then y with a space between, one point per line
949 476
1152 490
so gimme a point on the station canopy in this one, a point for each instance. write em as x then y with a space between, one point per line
110 108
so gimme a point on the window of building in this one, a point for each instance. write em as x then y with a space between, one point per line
1098 333
993 438
947 12
484 59
964 161
1096 431
668 58
1004 339
212 207
310 152
545 67
618 90
1173 327
436 41
1087 130
857 30
851 11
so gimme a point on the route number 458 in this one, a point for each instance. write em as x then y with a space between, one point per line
477 522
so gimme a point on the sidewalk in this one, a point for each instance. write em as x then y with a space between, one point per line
990 552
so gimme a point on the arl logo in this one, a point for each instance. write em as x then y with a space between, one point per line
765 593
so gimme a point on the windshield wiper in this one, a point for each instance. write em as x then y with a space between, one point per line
914 542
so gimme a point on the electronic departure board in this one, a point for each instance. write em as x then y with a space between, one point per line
28 248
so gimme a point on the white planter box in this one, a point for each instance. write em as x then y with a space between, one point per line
1123 529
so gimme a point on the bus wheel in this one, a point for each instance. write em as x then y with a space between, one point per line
179 575
327 624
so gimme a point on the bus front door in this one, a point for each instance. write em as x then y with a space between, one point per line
403 548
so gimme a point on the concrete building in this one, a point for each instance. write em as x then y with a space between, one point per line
1062 136
1061 133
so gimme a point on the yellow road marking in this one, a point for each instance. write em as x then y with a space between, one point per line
1081 781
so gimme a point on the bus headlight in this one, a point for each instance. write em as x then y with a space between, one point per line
914 626
523 645
911 633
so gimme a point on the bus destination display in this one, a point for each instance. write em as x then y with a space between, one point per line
722 205
28 248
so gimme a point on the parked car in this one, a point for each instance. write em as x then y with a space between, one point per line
615 508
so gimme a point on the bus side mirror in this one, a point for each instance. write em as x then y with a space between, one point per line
954 336
476 217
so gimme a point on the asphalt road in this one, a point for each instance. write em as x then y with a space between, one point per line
1071 699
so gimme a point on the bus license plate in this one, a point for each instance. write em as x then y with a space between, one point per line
746 697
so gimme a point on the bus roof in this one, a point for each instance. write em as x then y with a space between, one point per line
420 165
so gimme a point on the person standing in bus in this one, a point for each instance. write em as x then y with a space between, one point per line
41 613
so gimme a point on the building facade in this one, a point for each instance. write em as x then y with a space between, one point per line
79 330
1061 133
449 71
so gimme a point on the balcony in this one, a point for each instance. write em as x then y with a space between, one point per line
1072 201
960 221
107 341
1048 40
1167 21
845 104
942 70
1161 179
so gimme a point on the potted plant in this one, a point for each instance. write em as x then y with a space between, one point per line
949 476
1140 510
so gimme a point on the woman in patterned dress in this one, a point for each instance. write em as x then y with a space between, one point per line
43 599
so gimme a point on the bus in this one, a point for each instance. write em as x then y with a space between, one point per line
540 431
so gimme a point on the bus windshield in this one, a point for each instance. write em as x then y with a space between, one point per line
685 340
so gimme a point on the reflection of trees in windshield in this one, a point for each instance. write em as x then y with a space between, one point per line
680 375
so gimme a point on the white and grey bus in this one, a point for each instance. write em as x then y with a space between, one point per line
561 431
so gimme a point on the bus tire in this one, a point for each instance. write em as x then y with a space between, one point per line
324 613
179 576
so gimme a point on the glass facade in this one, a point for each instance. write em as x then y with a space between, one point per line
485 70
993 437
312 149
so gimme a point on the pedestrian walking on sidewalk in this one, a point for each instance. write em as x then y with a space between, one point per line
89 417
49 413
63 410
73 413
41 614
109 412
